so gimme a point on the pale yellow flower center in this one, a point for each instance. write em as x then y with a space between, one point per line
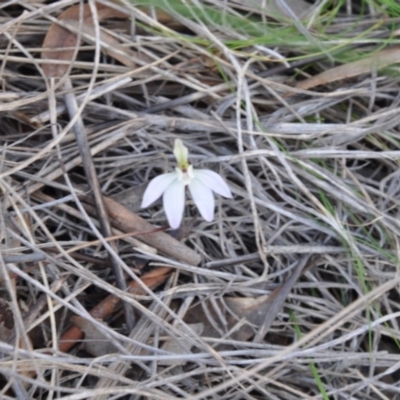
185 174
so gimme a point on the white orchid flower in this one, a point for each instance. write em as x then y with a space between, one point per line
201 183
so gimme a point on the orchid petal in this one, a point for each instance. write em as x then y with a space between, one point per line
213 181
203 198
157 187
174 203
181 154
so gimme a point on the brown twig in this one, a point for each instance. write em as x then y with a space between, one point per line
111 303
126 221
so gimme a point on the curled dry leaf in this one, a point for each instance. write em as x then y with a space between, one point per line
60 43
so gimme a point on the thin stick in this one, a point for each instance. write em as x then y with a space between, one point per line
90 172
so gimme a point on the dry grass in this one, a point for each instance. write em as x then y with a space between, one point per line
297 292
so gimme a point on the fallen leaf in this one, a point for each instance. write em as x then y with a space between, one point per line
179 348
372 63
95 342
108 44
245 317
131 198
110 304
61 44
230 317
126 221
